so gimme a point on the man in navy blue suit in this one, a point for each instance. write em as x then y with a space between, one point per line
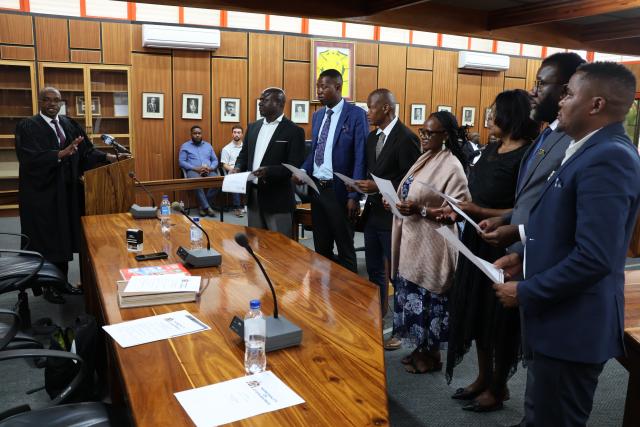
339 134
577 237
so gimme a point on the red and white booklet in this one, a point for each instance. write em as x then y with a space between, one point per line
127 273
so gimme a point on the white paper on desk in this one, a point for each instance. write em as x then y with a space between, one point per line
236 182
155 328
495 274
301 175
348 181
237 399
453 202
389 194
163 283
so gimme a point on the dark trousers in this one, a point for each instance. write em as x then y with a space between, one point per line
559 393
377 249
330 224
64 267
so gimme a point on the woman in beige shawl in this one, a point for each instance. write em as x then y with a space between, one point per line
422 264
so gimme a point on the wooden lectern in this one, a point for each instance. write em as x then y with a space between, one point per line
109 189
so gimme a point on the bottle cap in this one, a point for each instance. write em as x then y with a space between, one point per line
196 218
254 304
165 196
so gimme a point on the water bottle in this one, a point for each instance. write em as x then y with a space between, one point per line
196 235
255 331
165 216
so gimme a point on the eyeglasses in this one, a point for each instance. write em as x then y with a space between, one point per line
428 133
539 84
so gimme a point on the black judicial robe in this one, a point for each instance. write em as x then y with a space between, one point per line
51 195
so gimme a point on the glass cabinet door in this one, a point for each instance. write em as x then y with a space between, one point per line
109 105
16 100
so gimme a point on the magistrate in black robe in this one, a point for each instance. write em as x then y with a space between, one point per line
53 152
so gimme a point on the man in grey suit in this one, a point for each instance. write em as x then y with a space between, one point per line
539 162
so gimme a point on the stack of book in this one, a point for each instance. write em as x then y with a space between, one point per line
166 284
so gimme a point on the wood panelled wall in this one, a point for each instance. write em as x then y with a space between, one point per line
245 64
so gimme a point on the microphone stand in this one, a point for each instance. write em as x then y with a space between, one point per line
197 225
264 273
137 181
143 212
197 257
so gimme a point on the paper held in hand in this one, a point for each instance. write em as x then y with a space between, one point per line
236 182
389 194
237 399
495 274
302 176
453 202
349 181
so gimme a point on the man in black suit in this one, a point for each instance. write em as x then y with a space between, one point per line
391 150
53 152
268 143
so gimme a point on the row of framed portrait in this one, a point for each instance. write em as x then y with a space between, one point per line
120 105
419 113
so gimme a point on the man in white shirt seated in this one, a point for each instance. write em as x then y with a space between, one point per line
228 158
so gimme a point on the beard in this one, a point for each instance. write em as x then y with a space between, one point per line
546 110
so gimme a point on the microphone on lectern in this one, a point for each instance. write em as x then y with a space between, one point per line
281 333
109 140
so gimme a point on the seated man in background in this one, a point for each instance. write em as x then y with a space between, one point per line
197 159
228 158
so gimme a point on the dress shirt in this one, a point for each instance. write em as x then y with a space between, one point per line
387 130
262 142
48 120
575 146
325 171
230 153
193 156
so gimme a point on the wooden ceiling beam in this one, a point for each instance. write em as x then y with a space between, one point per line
377 6
556 10
617 30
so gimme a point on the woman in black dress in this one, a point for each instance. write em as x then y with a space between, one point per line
475 312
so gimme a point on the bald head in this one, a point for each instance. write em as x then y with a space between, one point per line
271 103
381 104
383 96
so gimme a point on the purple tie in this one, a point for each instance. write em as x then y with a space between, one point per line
322 140
59 132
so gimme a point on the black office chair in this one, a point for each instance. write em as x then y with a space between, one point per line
85 414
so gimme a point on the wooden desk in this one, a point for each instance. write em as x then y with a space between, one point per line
338 370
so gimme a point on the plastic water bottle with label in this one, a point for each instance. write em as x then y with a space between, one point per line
165 216
255 332
196 235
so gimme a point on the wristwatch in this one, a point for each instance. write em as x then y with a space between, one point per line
423 212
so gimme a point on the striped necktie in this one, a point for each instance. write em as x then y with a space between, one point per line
59 132
322 140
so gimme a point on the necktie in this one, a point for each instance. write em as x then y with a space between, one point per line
322 140
532 154
59 133
380 143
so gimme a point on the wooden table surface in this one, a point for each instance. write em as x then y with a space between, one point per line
338 369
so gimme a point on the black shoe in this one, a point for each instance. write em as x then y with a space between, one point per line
463 394
476 407
69 290
52 295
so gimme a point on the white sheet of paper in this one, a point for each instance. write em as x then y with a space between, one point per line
236 182
301 175
163 283
237 399
453 202
154 328
493 273
348 181
389 194
438 192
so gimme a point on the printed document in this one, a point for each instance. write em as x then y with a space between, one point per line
155 328
495 274
163 283
301 175
236 182
453 202
348 181
389 194
237 399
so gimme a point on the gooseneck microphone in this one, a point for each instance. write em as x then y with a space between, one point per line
197 257
133 176
109 140
281 333
243 241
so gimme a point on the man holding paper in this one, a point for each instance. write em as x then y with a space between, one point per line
268 143
391 150
577 237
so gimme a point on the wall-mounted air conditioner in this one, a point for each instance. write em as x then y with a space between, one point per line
166 36
482 61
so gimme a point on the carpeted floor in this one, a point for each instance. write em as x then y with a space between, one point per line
414 400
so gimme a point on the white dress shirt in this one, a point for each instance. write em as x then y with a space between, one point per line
48 120
262 142
325 170
387 130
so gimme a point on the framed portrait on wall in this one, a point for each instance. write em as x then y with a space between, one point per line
445 108
81 107
487 116
258 115
299 111
326 55
417 113
230 110
120 104
152 105
191 106
362 105
468 116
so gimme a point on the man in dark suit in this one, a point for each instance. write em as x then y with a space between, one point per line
577 238
268 143
391 150
339 132
53 152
